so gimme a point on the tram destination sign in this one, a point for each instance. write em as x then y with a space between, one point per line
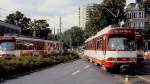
122 31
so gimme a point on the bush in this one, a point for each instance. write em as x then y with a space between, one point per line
28 63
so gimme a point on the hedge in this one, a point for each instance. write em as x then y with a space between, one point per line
25 64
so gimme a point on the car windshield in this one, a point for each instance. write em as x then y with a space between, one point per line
7 46
120 43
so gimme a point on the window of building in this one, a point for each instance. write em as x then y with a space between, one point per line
140 15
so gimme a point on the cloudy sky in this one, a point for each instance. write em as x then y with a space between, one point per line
47 9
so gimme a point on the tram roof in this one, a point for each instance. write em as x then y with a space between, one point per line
33 39
105 30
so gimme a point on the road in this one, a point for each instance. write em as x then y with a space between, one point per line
76 72
83 72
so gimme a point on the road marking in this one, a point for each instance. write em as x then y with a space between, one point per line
143 78
76 72
122 79
86 67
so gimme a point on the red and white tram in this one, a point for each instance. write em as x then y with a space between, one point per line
112 47
140 48
11 46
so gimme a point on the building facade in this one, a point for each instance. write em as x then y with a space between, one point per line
84 14
9 29
147 13
135 16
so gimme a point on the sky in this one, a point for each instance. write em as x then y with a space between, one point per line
49 10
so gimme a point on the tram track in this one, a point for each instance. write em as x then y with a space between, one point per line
132 79
141 75
136 77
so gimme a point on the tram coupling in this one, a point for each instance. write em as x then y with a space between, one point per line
124 68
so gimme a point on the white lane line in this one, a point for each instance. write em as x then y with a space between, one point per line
86 67
76 72
144 78
122 80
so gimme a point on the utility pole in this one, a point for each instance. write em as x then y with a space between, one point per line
57 34
60 28
0 14
70 44
60 39
54 34
34 33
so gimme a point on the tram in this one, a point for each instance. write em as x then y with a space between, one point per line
12 46
112 47
140 48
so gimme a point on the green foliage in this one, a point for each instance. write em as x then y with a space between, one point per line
141 4
109 12
28 26
41 28
20 20
73 37
29 63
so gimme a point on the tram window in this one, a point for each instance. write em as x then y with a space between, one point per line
7 45
92 44
121 43
99 43
24 45
95 47
88 45
19 45
40 45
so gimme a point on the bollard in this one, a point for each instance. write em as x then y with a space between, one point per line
126 80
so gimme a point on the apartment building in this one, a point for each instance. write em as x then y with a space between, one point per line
84 14
135 16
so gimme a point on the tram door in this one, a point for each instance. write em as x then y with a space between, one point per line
104 47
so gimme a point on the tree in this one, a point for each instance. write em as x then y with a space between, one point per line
141 4
20 20
109 12
73 36
40 28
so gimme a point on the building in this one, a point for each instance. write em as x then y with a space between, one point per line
147 13
84 14
135 16
9 29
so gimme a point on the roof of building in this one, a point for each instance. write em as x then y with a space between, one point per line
133 6
4 24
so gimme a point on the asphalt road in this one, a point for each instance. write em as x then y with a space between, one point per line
76 72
